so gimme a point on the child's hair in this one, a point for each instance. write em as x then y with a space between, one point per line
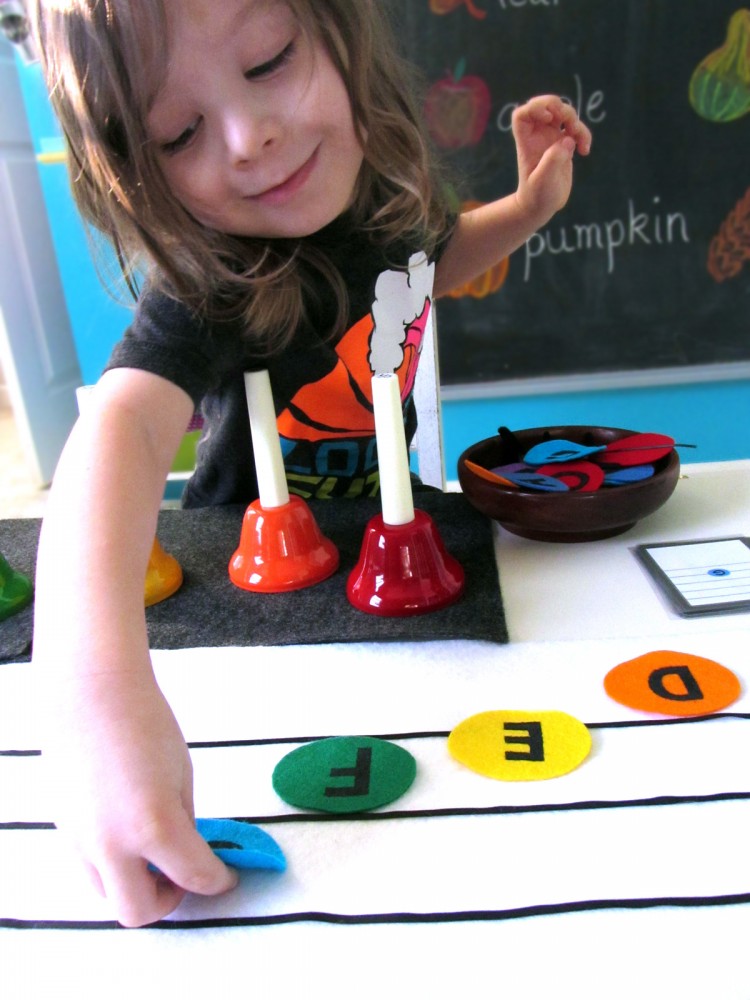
104 61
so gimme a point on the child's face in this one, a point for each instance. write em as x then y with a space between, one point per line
253 126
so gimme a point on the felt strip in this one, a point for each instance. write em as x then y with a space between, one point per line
237 781
425 734
209 611
655 802
419 866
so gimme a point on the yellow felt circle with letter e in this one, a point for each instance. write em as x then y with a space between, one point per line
520 746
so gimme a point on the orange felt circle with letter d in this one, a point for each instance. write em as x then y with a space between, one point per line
672 684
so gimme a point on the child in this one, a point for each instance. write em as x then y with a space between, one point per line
263 159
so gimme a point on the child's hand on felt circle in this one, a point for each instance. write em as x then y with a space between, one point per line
123 775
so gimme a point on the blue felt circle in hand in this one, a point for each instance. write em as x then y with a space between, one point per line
241 845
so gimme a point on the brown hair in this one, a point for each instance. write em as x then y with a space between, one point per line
104 60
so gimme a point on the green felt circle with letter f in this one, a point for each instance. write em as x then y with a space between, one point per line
344 774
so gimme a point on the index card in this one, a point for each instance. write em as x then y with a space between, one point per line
709 576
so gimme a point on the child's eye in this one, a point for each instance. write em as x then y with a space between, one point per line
182 140
267 68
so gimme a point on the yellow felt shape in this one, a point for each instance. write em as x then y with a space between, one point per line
672 684
519 745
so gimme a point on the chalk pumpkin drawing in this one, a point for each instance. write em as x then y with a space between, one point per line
491 281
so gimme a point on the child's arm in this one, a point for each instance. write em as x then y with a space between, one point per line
548 133
117 757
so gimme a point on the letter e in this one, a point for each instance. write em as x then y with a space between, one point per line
533 739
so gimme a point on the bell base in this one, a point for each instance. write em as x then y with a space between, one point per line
16 590
404 570
163 576
281 549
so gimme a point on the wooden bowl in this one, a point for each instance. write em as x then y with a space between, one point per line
563 517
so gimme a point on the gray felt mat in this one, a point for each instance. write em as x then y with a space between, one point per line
209 611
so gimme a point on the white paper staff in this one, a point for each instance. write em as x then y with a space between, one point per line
393 457
269 463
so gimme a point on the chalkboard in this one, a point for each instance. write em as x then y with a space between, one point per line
648 266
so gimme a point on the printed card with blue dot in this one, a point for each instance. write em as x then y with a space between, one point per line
701 577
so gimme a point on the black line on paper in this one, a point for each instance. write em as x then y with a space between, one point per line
460 916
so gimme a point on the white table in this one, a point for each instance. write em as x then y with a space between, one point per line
574 612
598 589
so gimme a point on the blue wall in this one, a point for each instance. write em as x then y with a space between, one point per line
714 416
98 316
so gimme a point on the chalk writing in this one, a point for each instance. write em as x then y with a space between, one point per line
638 228
511 4
588 108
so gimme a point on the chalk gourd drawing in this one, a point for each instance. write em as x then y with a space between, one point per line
719 91
730 248
720 85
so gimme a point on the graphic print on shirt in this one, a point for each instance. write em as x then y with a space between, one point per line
328 430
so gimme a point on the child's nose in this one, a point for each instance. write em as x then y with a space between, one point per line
246 135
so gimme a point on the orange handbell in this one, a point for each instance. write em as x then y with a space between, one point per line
163 576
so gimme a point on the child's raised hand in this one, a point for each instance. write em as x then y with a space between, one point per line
123 775
548 133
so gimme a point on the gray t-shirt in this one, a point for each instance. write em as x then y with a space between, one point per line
321 386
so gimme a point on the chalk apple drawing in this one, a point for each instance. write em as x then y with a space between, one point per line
457 109
446 6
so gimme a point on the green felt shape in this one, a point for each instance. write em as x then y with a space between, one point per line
16 590
344 774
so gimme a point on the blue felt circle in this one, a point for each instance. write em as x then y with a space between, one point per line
241 845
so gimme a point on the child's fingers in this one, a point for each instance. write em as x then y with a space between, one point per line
188 862
136 895
572 126
139 895
538 111
551 111
94 877
545 107
564 148
556 162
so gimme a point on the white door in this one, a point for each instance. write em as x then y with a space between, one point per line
37 350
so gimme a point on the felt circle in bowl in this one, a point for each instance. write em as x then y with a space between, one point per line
571 516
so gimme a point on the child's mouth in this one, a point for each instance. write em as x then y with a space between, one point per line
288 188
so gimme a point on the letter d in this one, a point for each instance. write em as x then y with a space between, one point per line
691 689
